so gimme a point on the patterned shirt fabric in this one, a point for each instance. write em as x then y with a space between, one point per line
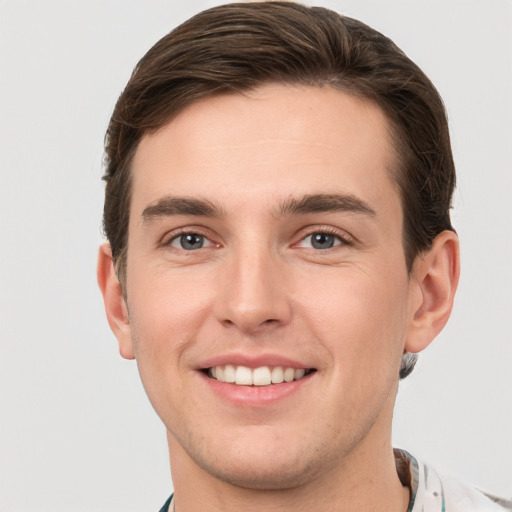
430 493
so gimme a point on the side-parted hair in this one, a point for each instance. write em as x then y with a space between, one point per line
238 47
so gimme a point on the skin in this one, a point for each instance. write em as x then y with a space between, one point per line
258 290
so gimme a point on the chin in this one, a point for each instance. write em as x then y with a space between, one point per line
262 475
264 462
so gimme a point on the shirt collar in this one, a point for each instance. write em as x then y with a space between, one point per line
427 493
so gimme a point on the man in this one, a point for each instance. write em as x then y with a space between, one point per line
279 180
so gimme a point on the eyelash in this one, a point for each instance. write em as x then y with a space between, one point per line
343 238
168 241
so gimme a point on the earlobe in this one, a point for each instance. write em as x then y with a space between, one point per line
115 305
435 277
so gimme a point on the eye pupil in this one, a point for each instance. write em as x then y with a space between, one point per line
322 241
191 241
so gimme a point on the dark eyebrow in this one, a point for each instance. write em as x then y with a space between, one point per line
172 205
324 203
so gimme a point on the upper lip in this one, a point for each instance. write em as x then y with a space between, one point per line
253 361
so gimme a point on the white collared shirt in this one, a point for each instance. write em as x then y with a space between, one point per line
431 493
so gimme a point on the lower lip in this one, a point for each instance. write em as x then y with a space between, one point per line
255 396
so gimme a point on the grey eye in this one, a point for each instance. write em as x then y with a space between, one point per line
323 240
189 241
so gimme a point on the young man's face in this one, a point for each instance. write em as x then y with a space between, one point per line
266 234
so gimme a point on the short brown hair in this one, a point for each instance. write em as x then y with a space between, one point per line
237 47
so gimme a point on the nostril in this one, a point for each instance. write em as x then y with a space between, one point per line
249 324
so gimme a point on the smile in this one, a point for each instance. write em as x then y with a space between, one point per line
261 376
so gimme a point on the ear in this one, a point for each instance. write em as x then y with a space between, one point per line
434 278
115 305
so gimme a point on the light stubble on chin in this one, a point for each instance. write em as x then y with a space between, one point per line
300 467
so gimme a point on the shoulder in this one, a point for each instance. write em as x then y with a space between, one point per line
464 498
431 492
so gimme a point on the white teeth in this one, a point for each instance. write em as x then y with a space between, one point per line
289 374
243 376
277 375
262 376
229 373
299 374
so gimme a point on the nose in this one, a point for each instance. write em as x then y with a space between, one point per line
253 295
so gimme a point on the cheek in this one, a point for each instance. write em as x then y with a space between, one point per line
360 316
160 326
163 313
167 301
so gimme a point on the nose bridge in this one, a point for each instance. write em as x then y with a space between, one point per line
253 292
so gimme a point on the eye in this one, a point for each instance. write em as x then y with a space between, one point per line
190 241
321 240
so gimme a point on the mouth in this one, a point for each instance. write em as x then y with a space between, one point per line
262 376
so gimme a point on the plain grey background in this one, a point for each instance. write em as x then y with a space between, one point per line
76 430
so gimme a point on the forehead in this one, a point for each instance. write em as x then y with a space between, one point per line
298 140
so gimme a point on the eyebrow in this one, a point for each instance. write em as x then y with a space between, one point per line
315 203
325 203
171 205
